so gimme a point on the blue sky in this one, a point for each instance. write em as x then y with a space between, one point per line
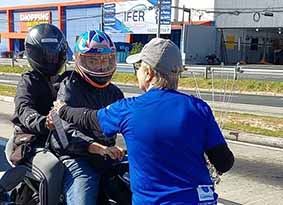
8 3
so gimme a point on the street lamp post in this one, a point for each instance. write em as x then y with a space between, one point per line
102 18
182 41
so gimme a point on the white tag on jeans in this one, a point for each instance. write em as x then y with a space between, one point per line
205 192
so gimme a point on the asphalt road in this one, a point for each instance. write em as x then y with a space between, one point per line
255 179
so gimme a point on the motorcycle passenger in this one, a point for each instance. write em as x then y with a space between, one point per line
88 86
45 47
166 132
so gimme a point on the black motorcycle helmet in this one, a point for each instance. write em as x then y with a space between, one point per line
46 48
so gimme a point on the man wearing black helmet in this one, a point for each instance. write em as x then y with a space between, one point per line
45 47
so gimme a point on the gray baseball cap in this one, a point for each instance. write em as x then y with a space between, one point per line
161 54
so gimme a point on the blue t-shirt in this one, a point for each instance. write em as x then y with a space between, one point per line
166 134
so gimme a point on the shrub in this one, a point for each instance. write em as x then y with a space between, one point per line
137 47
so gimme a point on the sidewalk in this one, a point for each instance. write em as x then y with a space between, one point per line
231 135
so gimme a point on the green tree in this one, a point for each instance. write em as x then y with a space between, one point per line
137 47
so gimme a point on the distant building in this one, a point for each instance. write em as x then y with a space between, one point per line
75 16
71 16
252 30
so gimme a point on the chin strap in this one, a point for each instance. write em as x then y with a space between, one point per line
87 79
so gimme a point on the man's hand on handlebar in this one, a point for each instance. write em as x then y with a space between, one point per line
114 152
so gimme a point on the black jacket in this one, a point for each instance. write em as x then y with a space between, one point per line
78 93
34 98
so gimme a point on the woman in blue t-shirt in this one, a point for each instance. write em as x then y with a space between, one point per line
167 133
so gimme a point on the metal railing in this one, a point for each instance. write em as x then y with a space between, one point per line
14 62
206 71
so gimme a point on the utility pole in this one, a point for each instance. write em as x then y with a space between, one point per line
102 18
159 18
182 38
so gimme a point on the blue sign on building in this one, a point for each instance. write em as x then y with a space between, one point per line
137 16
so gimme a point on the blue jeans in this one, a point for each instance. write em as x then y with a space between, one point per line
81 182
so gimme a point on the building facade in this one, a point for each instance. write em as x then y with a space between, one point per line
251 30
72 16
76 16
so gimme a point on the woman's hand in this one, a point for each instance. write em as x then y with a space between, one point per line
114 152
58 104
49 122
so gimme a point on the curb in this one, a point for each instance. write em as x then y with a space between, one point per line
276 142
10 74
6 99
233 136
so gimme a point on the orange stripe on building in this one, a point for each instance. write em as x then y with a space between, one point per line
54 5
204 23
178 26
129 38
61 17
10 28
13 35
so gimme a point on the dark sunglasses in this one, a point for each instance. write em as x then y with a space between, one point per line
137 65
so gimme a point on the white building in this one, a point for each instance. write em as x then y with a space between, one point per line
251 30
197 13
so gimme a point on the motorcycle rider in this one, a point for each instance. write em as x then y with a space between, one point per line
88 86
45 47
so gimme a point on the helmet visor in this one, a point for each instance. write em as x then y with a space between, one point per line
46 55
97 64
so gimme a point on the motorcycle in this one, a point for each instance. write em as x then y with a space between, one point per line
19 185
212 59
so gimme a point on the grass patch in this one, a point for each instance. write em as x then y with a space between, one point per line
263 125
7 90
16 69
125 78
240 86
275 87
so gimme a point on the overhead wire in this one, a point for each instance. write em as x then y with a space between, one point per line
232 11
